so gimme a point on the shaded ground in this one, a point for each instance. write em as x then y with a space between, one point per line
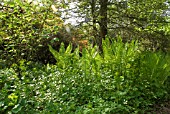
162 108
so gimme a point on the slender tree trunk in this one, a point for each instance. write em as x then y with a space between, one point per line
93 5
103 21
94 20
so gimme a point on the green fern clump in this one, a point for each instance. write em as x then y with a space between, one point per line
121 74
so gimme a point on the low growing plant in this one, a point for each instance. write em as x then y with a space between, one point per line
122 79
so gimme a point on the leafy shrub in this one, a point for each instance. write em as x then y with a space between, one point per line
26 30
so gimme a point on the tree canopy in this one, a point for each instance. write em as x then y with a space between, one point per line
130 19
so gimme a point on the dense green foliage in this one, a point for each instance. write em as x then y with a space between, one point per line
25 31
122 79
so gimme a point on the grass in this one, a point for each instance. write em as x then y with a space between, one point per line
122 79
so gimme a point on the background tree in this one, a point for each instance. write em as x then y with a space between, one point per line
140 20
132 19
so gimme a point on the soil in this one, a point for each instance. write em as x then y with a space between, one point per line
162 108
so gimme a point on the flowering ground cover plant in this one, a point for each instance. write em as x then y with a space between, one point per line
122 79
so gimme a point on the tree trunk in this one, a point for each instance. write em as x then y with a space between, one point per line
93 5
103 21
94 20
